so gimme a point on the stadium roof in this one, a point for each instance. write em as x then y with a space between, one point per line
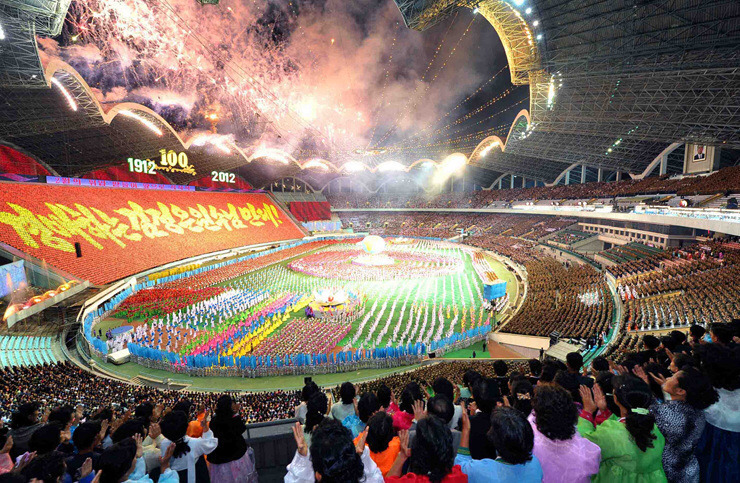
612 84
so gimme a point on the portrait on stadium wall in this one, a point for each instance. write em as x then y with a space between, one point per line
700 158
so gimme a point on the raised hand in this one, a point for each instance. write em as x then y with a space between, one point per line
588 400
139 446
658 378
300 440
465 425
360 445
154 431
164 461
419 412
639 371
599 398
7 446
403 436
86 468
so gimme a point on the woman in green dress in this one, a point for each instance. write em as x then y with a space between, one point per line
631 444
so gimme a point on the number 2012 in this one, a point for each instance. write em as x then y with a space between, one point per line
145 166
218 176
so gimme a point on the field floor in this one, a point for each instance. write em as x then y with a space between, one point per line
410 305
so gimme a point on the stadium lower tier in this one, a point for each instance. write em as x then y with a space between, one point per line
122 232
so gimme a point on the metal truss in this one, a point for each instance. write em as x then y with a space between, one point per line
47 15
19 58
515 33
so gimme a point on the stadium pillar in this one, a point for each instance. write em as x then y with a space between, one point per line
583 173
600 175
664 164
511 185
567 178
619 176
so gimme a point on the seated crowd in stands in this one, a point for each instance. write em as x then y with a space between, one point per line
724 181
665 412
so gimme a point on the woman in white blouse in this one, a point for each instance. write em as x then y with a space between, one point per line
333 457
187 460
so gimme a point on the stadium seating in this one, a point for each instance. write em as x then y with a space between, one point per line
23 351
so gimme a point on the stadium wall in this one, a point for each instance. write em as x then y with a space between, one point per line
122 232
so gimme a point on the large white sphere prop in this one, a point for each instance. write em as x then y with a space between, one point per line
373 244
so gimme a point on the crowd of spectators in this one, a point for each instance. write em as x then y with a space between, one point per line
660 409
67 384
574 301
697 285
724 181
666 411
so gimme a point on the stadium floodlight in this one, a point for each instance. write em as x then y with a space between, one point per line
146 122
539 36
316 163
528 10
353 166
65 92
518 3
2 33
390 166
535 23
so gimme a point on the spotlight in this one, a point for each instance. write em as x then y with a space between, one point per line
539 36
528 10
535 23
475 11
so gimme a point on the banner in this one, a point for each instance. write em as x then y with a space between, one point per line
122 232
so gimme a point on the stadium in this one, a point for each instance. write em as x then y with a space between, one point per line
369 240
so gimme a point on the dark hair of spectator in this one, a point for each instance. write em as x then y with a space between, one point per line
632 393
570 382
174 425
225 407
722 365
650 342
333 453
723 332
486 393
432 453
316 408
500 368
48 468
347 393
535 367
555 413
61 415
116 461
367 406
380 432
600 364
128 429
308 390
697 332
45 439
410 394
442 386
442 407
85 434
511 435
384 395
470 377
25 415
574 360
522 393
699 391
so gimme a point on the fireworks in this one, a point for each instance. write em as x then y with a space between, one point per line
297 83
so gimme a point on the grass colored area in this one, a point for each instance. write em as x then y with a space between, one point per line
467 353
227 383
448 290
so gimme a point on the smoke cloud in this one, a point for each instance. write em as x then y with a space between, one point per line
312 77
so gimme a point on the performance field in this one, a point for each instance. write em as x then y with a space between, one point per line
356 303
